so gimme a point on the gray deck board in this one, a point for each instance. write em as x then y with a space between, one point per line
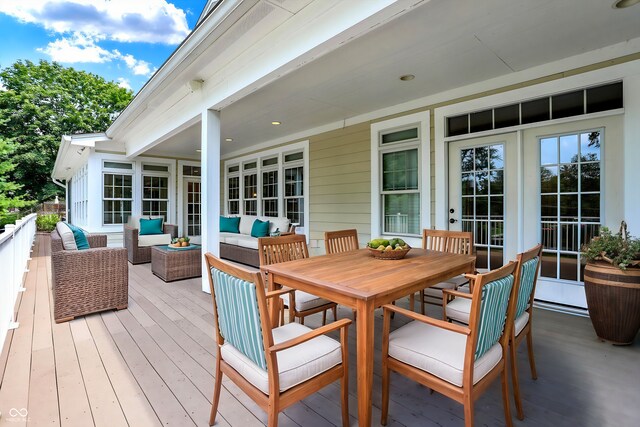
152 365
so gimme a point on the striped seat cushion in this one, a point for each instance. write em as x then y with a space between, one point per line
493 312
527 279
238 315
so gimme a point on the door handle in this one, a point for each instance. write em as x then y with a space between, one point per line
452 220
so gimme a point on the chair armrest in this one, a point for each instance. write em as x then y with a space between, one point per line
97 240
342 323
453 293
171 229
279 292
425 319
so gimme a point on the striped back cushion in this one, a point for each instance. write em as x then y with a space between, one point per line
493 313
527 278
238 315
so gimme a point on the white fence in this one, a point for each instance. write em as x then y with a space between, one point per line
15 253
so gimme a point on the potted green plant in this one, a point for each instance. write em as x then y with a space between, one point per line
612 284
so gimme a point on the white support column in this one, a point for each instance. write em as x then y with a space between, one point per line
210 188
631 86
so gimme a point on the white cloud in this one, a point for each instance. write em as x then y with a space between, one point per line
151 21
124 83
79 48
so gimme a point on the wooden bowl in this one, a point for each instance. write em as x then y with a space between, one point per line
389 254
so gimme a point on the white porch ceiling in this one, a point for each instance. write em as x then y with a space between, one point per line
444 43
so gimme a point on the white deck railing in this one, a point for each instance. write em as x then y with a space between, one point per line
15 252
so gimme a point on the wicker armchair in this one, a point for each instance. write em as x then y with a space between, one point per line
88 281
142 254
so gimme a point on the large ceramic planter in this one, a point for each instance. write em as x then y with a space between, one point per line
613 300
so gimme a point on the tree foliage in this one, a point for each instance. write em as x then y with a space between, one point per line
40 103
8 198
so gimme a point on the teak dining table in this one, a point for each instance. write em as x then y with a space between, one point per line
357 280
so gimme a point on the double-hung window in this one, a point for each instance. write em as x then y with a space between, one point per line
270 187
399 152
250 190
117 192
233 190
155 190
294 187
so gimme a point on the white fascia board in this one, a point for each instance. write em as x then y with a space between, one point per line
70 158
313 32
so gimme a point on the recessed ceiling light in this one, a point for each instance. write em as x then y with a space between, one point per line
229 139
276 123
407 77
621 4
198 151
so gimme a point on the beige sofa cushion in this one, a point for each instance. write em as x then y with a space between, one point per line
296 364
246 223
66 234
459 310
439 352
247 241
154 240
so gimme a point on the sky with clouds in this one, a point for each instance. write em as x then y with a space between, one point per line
121 40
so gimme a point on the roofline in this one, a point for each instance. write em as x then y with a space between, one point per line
189 44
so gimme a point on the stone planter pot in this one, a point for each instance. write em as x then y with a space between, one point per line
613 300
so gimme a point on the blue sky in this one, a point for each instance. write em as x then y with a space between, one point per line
121 40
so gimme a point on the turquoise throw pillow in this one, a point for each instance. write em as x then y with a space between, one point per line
230 224
79 237
260 228
150 226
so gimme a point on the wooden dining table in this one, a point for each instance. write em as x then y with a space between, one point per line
357 280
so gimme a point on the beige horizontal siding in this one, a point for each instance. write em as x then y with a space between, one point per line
340 183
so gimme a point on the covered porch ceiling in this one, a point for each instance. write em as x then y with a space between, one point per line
444 44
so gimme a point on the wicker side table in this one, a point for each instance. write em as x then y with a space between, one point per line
176 264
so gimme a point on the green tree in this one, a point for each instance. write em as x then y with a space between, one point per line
40 103
8 198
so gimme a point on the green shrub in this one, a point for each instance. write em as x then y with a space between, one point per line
47 222
9 218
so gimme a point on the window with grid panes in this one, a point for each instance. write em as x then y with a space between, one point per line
270 187
117 197
233 190
250 193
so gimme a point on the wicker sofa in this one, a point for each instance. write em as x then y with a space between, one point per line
88 281
138 250
242 247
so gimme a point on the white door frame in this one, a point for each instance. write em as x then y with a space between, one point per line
180 193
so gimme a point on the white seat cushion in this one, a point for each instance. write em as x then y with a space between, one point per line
154 240
66 235
433 294
439 352
521 322
246 223
305 301
458 309
295 365
247 241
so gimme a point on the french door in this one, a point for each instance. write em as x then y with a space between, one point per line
192 208
483 196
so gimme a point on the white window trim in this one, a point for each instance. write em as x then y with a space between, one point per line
422 120
160 174
180 183
116 171
259 156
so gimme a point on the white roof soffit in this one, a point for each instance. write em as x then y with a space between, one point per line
238 49
73 153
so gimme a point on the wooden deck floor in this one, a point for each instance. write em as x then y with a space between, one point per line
152 365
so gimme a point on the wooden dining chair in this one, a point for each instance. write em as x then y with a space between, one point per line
458 242
276 367
458 361
459 308
341 241
336 242
273 250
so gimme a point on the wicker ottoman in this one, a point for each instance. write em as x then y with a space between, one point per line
175 264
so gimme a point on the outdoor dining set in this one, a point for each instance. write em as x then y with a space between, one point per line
485 316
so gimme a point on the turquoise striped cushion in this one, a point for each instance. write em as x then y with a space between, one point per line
238 315
527 277
493 313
